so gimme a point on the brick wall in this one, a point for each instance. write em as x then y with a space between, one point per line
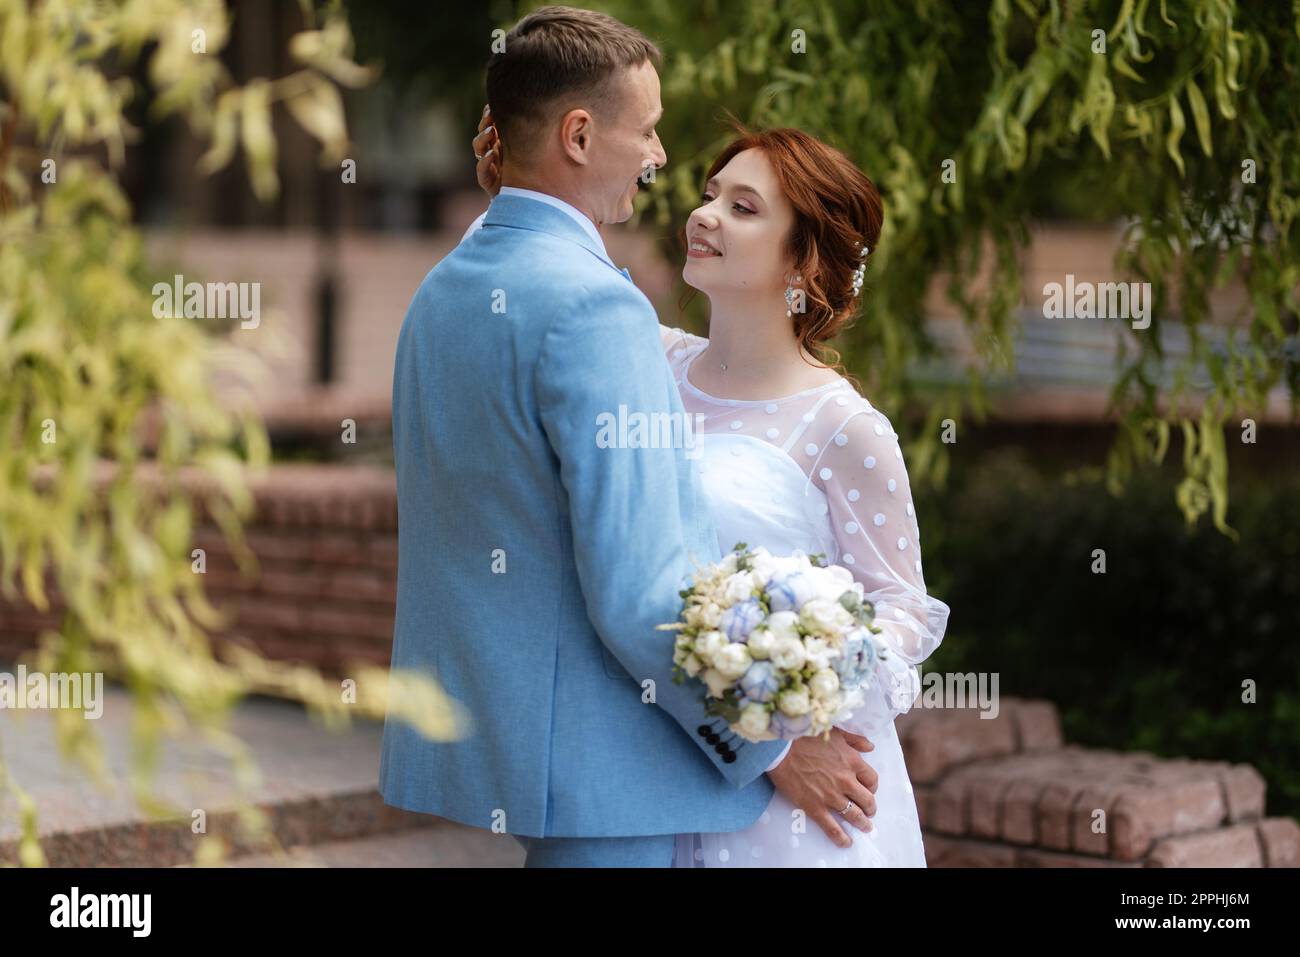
1009 792
325 585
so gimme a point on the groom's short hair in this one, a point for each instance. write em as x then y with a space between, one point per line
559 58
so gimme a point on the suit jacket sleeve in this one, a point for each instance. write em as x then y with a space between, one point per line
631 536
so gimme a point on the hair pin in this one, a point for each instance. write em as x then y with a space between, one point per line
861 270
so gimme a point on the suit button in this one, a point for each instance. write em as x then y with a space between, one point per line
729 757
705 730
712 738
723 749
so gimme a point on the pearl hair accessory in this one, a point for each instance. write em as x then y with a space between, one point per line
862 268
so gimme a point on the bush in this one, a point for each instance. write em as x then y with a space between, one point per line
1150 655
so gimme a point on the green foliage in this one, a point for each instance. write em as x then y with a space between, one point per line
1035 123
1153 653
87 374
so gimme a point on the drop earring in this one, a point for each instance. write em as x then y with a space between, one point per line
789 296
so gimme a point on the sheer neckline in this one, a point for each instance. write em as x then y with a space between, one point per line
686 381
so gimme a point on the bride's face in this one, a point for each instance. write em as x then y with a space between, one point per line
744 222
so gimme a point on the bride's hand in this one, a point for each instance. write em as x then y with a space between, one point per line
487 149
823 777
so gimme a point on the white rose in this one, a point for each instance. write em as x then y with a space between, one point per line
761 642
717 682
754 720
790 563
839 573
835 581
794 702
782 625
818 652
733 661
699 614
762 566
825 616
708 644
692 665
711 614
824 684
738 587
728 565
788 654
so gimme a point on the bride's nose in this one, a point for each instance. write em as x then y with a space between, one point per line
703 218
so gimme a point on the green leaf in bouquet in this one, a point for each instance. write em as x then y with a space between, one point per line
727 707
866 613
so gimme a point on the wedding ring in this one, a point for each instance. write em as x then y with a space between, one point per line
846 808
478 156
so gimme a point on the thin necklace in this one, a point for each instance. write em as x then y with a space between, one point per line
723 366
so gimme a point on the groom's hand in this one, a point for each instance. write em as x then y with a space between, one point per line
821 777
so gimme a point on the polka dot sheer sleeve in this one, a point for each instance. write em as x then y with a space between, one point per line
873 518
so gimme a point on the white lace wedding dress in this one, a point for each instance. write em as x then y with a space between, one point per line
822 471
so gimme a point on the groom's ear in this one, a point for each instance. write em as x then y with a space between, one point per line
575 135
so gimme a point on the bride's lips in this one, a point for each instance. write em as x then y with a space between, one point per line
708 253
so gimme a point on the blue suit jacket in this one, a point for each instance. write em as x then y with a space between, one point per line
511 349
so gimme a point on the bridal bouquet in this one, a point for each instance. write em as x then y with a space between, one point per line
785 645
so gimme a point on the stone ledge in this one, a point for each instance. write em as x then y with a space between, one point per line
1008 792
938 739
294 823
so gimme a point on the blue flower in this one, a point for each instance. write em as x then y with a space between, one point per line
760 682
789 591
741 618
788 728
858 658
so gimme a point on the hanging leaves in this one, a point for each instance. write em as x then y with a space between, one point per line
84 362
972 117
1176 127
1201 116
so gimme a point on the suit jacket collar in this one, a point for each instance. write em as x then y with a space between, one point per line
521 212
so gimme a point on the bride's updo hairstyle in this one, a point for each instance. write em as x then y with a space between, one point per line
837 211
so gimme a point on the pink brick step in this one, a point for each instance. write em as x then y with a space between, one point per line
1008 792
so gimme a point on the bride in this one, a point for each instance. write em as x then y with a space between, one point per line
792 456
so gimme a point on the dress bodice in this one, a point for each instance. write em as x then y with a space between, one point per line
821 471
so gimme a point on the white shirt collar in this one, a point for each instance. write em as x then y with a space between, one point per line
561 205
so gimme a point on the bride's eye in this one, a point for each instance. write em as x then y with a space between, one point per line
742 209
706 197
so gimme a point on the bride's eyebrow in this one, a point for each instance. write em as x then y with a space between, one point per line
738 188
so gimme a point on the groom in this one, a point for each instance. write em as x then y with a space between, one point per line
533 563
